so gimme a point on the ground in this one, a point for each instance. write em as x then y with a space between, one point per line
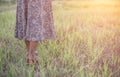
87 43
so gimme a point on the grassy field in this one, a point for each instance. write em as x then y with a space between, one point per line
87 43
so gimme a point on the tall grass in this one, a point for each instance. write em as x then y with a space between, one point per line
87 45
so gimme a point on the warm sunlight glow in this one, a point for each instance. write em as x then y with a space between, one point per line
102 0
102 3
105 1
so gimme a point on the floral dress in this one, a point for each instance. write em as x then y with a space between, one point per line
34 20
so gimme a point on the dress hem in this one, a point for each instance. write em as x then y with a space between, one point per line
50 38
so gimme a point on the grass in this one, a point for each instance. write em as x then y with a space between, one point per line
87 44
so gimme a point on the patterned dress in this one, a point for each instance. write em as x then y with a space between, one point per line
34 20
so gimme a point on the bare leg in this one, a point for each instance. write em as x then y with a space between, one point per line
33 46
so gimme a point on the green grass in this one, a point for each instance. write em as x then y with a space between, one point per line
87 45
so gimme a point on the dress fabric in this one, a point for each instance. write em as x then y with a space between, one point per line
34 20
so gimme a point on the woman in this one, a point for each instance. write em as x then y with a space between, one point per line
34 23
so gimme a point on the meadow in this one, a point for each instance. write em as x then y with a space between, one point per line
87 42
